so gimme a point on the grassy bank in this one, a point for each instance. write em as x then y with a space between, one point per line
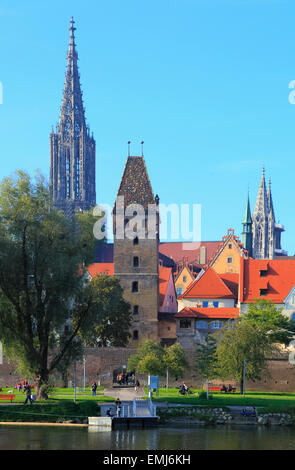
64 411
59 394
275 400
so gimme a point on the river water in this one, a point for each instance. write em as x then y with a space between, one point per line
245 437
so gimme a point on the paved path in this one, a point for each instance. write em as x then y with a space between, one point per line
124 394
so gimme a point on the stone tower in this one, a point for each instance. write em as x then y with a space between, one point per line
72 149
247 229
266 233
136 243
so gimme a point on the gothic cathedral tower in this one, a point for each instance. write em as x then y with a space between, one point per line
136 262
266 233
72 149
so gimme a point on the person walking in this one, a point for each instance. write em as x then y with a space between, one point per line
94 388
28 393
118 404
137 385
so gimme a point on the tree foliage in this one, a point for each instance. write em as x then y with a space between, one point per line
267 318
43 255
238 342
206 359
111 320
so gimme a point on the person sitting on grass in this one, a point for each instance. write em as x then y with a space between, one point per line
224 389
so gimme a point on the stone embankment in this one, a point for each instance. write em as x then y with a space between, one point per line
214 416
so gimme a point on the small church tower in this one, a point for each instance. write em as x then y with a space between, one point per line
72 149
136 242
247 229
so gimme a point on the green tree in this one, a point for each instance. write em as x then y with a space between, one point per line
206 359
238 342
175 362
111 327
266 317
43 255
148 359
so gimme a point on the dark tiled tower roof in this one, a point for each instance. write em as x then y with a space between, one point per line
135 184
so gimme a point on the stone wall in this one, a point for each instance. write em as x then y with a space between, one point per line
102 362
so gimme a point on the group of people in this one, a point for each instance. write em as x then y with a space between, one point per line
245 412
228 389
118 404
125 378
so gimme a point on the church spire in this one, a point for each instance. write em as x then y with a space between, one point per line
247 229
72 116
270 203
72 150
261 206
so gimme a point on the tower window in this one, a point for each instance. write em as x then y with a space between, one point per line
263 273
230 246
135 241
229 260
135 262
135 286
263 292
135 335
184 278
135 310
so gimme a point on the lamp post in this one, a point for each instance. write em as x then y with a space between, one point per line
75 380
244 378
84 363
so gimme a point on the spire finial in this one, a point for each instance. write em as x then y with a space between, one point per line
72 29
129 142
142 142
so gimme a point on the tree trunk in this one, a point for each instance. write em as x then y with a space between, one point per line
241 386
40 382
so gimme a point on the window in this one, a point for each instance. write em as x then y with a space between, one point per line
179 290
202 324
205 303
215 304
216 325
135 262
263 273
134 286
185 324
230 246
135 310
135 335
229 260
135 241
263 292
293 316
184 278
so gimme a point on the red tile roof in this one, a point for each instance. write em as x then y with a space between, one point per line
189 250
101 268
164 275
209 286
195 312
279 279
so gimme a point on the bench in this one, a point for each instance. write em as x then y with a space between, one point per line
7 397
219 389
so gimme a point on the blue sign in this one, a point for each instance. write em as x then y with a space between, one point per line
154 381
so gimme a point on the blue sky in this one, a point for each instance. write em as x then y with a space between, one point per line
203 82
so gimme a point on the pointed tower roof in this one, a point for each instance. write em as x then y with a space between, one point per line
261 205
135 184
247 216
72 115
269 197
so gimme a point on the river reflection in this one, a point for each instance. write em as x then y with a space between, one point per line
160 438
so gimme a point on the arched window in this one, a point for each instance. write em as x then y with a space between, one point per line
216 325
134 286
202 324
135 241
135 335
135 261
